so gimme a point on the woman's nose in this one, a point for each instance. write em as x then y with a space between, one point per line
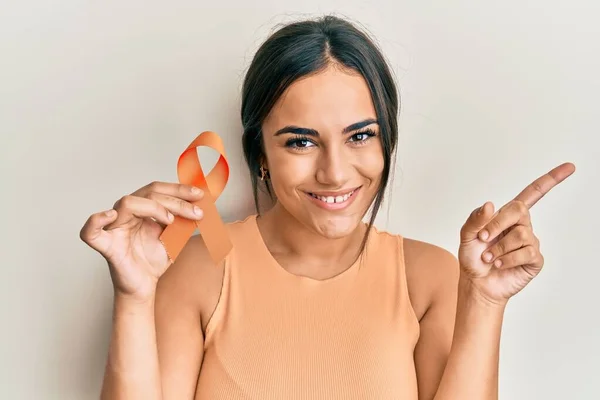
333 168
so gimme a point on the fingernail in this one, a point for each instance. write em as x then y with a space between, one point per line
110 213
170 216
481 209
197 211
484 234
487 256
196 190
498 263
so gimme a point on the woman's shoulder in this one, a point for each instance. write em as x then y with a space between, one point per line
430 269
420 258
416 251
196 277
199 274
423 255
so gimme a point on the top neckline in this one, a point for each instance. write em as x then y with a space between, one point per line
352 270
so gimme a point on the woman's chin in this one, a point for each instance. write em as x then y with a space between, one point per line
336 227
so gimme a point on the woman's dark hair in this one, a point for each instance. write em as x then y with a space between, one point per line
305 48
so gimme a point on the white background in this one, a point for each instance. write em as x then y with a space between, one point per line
99 98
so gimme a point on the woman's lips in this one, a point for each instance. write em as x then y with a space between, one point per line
333 202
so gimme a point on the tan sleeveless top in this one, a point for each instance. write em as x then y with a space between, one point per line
276 335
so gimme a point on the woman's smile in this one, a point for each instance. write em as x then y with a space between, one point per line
333 200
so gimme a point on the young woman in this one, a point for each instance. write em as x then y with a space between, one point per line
312 303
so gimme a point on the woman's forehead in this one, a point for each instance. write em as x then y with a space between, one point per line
328 100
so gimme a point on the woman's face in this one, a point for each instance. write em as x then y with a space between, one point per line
323 151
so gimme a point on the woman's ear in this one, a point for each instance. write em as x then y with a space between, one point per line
262 161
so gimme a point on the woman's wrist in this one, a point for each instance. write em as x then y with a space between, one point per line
469 293
134 304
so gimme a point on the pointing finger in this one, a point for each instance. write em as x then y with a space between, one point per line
542 185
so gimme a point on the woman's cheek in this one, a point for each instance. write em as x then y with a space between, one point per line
291 172
370 164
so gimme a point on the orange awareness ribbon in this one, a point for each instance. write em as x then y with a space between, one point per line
211 227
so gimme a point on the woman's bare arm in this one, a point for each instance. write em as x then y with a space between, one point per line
458 350
132 370
433 280
157 346
472 368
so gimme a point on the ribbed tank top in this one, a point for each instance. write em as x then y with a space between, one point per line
276 335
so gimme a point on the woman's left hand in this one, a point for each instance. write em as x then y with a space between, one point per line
499 253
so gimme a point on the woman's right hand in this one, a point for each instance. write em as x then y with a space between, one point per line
128 235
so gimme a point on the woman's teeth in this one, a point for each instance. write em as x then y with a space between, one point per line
332 199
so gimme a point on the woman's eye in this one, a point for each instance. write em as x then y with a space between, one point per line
361 136
303 143
299 143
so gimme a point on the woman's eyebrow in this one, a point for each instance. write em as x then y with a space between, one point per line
312 132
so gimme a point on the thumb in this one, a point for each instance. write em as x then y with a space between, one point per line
476 222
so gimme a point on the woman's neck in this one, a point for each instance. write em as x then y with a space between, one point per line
302 251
